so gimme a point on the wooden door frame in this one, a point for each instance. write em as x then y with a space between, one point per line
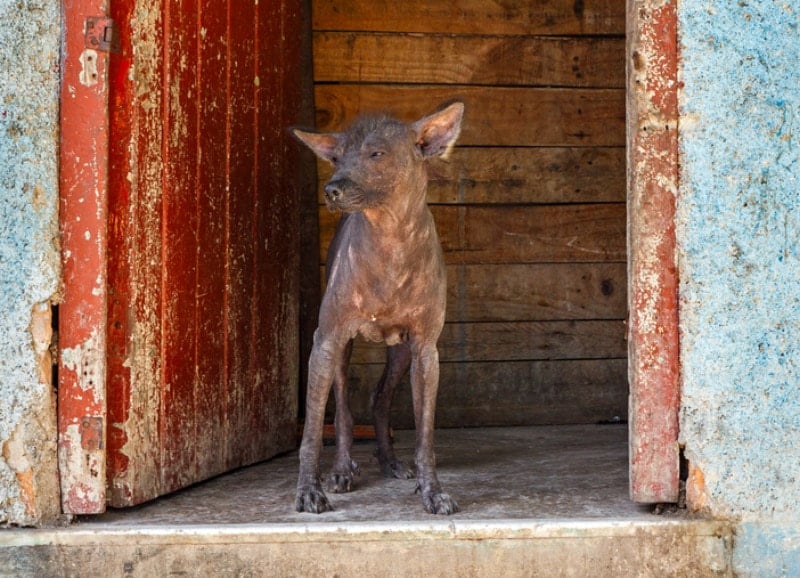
653 331
83 185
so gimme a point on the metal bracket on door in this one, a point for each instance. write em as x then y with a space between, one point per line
102 34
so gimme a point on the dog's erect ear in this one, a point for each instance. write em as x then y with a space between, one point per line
437 132
323 144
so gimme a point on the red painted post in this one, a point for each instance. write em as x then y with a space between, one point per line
653 338
82 312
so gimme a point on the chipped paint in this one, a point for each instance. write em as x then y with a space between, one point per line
738 222
82 313
87 360
136 455
88 75
696 497
29 262
41 329
16 457
173 101
86 467
653 363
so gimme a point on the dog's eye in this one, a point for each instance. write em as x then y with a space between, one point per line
377 154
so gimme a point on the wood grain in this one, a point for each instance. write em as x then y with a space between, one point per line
477 60
514 17
511 393
519 175
530 205
520 234
535 292
518 341
203 264
495 116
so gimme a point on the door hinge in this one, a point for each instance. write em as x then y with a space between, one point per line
102 34
92 433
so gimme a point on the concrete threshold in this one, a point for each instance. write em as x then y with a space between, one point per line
535 502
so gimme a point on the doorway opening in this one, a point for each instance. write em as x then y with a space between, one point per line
530 205
533 208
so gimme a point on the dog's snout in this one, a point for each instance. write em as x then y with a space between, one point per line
333 191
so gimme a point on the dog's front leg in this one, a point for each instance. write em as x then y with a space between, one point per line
424 387
344 467
324 355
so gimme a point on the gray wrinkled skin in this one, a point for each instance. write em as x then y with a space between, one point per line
386 281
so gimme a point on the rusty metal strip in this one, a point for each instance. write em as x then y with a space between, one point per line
82 313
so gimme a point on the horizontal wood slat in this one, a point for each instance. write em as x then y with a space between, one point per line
509 393
520 234
529 175
482 60
531 340
537 292
489 175
495 116
473 16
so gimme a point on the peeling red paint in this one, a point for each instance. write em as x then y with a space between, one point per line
658 36
83 176
202 272
654 363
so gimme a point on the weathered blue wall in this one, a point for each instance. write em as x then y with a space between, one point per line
29 263
739 258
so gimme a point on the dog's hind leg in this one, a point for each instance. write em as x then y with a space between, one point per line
398 359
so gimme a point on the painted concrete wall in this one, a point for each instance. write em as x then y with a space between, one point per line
739 259
29 260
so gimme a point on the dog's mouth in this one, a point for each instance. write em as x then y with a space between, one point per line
352 201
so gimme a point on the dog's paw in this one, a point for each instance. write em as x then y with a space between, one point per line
340 483
312 500
439 503
340 480
397 469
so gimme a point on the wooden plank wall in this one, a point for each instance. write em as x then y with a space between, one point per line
530 206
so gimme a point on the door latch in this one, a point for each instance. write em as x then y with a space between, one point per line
102 34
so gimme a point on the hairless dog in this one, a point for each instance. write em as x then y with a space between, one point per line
386 281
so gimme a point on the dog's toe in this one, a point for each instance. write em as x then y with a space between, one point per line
340 483
340 480
440 503
398 469
312 500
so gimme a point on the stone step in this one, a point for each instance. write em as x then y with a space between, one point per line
439 548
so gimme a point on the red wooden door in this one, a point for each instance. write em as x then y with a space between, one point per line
203 226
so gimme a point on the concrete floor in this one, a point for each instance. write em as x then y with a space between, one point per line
565 472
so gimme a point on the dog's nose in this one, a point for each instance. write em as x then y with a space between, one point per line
333 191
